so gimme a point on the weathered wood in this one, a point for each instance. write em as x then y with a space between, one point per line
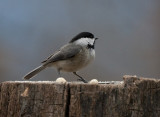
33 99
134 97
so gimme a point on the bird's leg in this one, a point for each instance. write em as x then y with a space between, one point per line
80 78
59 73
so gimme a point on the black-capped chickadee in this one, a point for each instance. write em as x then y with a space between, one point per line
78 53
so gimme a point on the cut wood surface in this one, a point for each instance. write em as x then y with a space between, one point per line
133 97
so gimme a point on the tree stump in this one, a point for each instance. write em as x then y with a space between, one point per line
133 97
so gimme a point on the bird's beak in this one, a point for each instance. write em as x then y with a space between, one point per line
96 38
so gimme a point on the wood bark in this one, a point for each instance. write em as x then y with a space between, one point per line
132 97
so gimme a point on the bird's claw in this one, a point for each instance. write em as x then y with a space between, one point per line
79 79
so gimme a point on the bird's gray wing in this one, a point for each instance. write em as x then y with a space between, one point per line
64 53
48 57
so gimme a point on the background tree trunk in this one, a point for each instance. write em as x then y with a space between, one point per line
133 97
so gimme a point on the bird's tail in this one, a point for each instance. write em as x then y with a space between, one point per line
34 72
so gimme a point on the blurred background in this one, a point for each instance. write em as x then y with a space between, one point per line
128 32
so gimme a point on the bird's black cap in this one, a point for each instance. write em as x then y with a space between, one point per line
82 35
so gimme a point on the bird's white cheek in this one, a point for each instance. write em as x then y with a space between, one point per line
91 41
85 41
81 42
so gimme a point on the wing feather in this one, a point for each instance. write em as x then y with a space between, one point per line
64 53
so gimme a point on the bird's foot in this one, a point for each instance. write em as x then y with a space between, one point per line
79 79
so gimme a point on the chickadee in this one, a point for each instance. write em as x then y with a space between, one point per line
78 53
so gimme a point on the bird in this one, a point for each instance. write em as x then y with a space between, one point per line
73 56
